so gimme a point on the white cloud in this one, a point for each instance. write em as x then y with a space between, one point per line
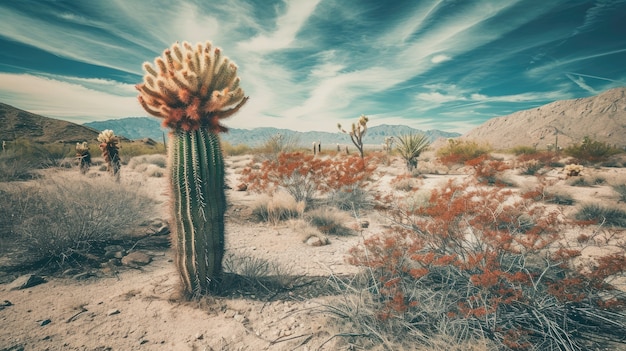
67 101
287 27
440 58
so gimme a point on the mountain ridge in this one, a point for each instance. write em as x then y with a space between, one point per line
565 122
148 127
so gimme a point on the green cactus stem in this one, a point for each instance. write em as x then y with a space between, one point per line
110 152
192 89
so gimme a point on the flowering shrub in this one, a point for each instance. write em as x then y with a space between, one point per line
303 175
482 258
486 170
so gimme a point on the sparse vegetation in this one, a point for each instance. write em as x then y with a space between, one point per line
609 216
93 211
469 267
461 151
278 207
330 221
591 151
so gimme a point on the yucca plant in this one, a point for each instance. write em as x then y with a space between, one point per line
410 147
193 88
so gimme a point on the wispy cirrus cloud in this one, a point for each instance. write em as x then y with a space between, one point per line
309 64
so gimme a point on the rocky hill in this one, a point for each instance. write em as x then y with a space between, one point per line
146 127
16 124
601 117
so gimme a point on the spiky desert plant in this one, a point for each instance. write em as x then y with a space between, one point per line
410 147
110 151
357 133
83 156
193 89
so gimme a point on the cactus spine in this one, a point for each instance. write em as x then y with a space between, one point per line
192 89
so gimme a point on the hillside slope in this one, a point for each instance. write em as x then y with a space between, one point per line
601 117
16 124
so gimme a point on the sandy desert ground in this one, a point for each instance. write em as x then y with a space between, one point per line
137 307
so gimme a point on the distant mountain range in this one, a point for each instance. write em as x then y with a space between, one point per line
601 117
146 127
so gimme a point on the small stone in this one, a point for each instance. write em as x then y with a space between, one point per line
199 336
136 258
26 281
113 312
44 322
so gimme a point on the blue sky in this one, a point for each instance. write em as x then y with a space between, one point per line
310 64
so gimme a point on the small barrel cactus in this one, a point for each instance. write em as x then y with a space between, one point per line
192 88
110 152
83 156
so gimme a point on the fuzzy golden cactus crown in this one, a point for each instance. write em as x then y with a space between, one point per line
191 87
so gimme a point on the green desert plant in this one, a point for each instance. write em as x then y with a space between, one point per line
590 151
110 152
330 221
410 147
602 215
357 133
193 89
461 151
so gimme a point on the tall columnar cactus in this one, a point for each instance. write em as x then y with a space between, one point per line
110 152
84 157
192 88
357 133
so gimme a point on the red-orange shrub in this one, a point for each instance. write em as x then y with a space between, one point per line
304 175
490 261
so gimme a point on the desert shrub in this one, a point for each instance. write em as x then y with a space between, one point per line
531 161
620 189
591 151
303 175
279 207
461 151
523 150
21 157
475 264
330 221
405 182
61 219
579 181
265 274
351 198
488 171
235 150
277 144
602 215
